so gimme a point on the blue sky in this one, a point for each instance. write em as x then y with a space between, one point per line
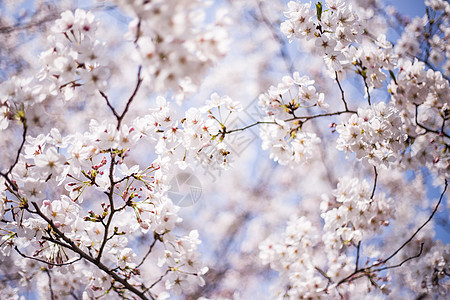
410 8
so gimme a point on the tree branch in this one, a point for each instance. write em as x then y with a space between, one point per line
88 257
374 183
44 261
368 270
417 231
342 91
156 237
52 295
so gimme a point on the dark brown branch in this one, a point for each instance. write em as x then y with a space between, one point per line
136 89
24 137
52 294
249 126
50 239
109 105
367 88
400 264
138 31
442 132
156 237
88 257
44 261
342 91
324 275
127 106
16 160
365 271
112 208
374 183
417 231
358 248
302 118
157 281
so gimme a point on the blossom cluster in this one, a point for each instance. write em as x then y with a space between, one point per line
374 57
359 214
375 134
85 166
90 151
354 216
57 181
422 97
333 30
430 270
432 30
173 45
198 136
77 57
285 138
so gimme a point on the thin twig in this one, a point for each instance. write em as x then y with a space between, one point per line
136 89
400 264
342 91
249 126
374 182
370 268
157 281
24 137
44 261
52 295
304 119
324 275
110 195
109 104
138 31
357 256
417 231
442 132
367 89
148 252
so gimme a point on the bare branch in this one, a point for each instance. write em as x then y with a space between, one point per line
304 119
52 295
156 237
367 89
136 89
112 207
157 281
342 91
400 264
374 183
46 262
441 132
417 231
367 270
109 104
357 256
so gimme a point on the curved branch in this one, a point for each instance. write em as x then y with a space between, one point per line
374 182
367 270
342 91
304 119
441 132
417 231
44 261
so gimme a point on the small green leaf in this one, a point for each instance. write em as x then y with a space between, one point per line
393 76
319 10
